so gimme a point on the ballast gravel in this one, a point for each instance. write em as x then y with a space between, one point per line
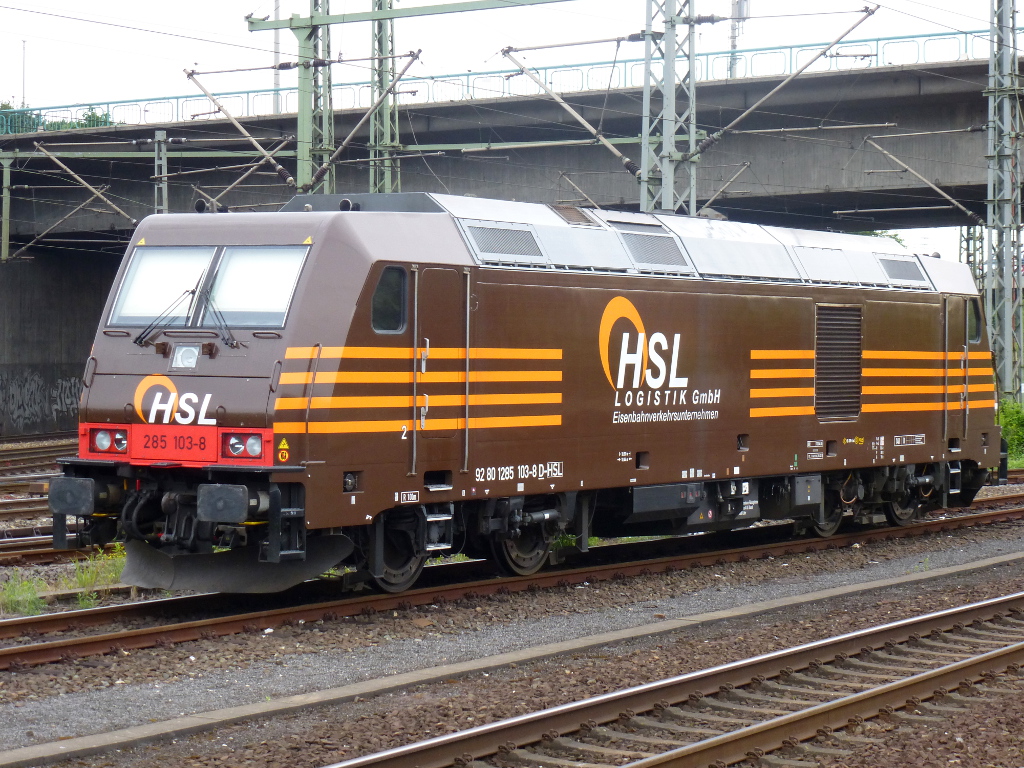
329 734
96 695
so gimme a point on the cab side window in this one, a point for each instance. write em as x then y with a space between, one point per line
387 312
974 321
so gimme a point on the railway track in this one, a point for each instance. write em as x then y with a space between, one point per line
458 581
791 703
15 509
18 456
38 550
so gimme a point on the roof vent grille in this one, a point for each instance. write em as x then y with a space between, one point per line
654 249
837 362
508 242
635 226
573 214
902 270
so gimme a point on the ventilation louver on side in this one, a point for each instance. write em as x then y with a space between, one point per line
507 242
654 249
837 362
902 270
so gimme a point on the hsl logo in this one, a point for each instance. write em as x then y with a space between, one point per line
644 357
181 408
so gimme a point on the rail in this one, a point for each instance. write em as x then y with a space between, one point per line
564 78
455 580
916 669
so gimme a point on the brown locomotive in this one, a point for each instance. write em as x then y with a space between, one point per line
372 380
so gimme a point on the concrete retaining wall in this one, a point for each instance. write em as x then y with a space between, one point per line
49 308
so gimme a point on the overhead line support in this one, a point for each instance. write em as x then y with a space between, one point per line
1002 267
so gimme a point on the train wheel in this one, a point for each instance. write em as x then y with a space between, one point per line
402 566
904 511
524 555
833 519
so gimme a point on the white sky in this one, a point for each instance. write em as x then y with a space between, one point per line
72 61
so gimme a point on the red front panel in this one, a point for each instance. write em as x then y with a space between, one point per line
160 442
176 444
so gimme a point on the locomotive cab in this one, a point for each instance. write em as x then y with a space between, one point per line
176 443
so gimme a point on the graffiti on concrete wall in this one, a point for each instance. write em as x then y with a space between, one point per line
64 397
38 399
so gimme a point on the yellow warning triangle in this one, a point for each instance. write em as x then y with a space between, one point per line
283 446
308 241
142 241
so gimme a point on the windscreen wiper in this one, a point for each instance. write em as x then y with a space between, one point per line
218 319
160 321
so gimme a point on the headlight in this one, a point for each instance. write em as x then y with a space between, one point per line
120 441
186 356
102 440
243 446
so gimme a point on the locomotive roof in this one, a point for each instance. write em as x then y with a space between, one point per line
503 233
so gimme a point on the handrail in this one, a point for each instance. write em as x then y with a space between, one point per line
566 78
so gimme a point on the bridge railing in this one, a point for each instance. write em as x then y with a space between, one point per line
591 76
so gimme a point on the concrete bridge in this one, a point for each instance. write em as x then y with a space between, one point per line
806 148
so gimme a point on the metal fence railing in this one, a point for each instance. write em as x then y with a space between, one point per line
751 62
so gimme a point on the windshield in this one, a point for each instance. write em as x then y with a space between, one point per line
156 279
239 286
253 285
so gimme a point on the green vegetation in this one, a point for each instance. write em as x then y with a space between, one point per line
23 596
20 596
26 120
95 571
881 233
1011 419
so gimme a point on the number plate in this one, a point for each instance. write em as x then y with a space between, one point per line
173 443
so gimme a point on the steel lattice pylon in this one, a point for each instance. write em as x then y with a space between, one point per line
1002 273
323 109
384 170
660 158
972 252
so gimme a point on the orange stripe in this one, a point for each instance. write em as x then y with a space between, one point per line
430 377
408 353
952 405
296 377
503 353
351 427
499 376
795 410
783 392
883 354
930 372
355 427
782 354
931 389
782 373
494 422
290 427
906 407
540 398
405 401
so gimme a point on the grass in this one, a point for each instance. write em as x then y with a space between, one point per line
1011 419
20 596
95 571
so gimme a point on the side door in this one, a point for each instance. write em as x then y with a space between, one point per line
956 370
440 374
